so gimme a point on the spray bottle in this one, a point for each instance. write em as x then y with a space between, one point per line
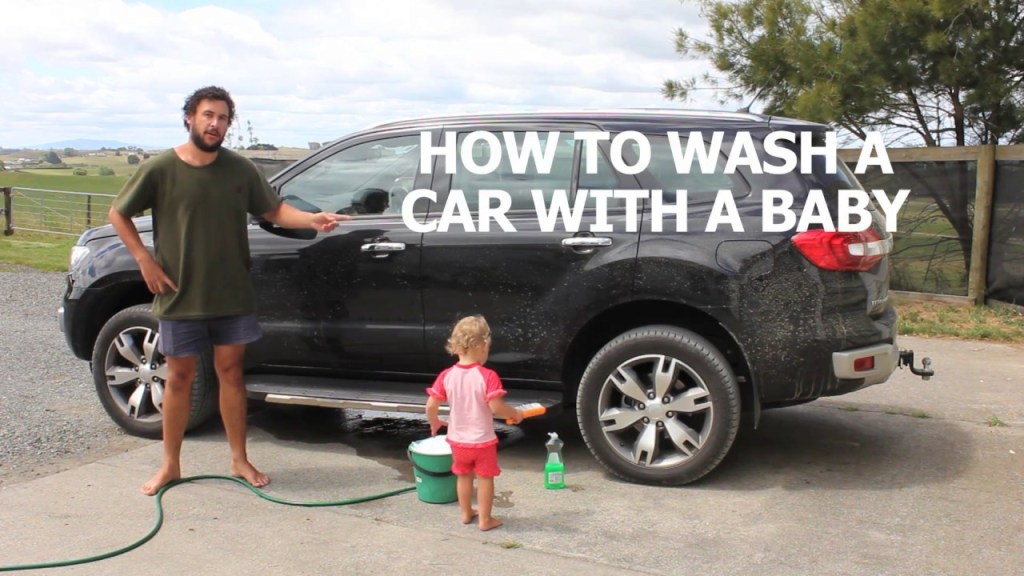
554 469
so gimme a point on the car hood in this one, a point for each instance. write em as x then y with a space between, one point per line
144 224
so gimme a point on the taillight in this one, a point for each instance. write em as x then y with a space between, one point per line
844 251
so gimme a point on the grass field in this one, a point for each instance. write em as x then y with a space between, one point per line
932 264
62 180
69 214
40 251
998 323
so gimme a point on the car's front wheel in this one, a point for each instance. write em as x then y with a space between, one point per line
130 374
659 405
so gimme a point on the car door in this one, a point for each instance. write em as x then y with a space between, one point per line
350 300
533 285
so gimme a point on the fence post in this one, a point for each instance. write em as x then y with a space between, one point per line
977 281
88 211
8 219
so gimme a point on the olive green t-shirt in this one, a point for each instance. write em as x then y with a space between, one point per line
200 222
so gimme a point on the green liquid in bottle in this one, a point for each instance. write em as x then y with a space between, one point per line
554 469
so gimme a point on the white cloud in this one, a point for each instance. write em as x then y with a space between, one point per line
314 70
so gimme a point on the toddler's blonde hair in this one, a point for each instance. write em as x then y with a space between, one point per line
468 333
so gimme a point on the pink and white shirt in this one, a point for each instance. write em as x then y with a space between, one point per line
467 388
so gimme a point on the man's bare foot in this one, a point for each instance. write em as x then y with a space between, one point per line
158 481
469 519
249 473
489 524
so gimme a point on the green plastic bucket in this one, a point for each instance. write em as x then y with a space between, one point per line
432 466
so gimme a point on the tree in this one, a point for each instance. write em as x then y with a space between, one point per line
943 71
133 159
52 157
931 72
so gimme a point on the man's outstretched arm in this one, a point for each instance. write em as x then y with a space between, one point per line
287 216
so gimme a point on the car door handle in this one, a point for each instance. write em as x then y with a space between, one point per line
586 242
384 247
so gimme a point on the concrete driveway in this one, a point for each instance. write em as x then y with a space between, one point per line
909 477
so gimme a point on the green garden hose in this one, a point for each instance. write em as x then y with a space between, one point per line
160 518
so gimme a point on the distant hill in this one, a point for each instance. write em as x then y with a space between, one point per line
88 144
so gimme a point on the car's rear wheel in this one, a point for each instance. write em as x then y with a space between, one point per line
659 405
130 374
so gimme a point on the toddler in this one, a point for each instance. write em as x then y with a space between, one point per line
474 396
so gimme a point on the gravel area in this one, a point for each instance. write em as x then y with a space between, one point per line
50 418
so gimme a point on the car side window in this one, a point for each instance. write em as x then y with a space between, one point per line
603 178
368 178
518 184
699 186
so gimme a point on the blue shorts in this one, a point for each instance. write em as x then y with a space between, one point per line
190 337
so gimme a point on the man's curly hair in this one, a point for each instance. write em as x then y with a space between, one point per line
207 93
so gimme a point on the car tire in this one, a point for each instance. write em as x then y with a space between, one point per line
129 374
671 430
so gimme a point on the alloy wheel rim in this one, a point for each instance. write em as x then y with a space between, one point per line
655 411
136 372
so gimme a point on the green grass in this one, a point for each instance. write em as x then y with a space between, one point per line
57 213
922 216
63 180
996 422
40 251
945 320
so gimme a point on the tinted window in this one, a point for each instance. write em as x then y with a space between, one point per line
604 177
518 184
368 178
665 175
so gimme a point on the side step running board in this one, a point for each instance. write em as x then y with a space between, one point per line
368 395
348 403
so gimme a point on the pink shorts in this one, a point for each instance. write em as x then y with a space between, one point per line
482 461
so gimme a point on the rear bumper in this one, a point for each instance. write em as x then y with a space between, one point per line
886 359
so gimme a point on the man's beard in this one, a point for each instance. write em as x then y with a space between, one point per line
197 139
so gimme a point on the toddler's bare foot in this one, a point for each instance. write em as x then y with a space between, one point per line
489 524
160 479
249 473
467 519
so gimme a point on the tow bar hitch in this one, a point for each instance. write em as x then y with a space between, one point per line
907 359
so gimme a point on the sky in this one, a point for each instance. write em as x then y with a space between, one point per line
305 71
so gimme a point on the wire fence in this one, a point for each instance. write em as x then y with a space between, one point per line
54 211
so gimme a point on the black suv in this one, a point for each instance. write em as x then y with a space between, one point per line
659 340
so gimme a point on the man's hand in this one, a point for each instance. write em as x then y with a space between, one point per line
156 279
287 216
327 221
